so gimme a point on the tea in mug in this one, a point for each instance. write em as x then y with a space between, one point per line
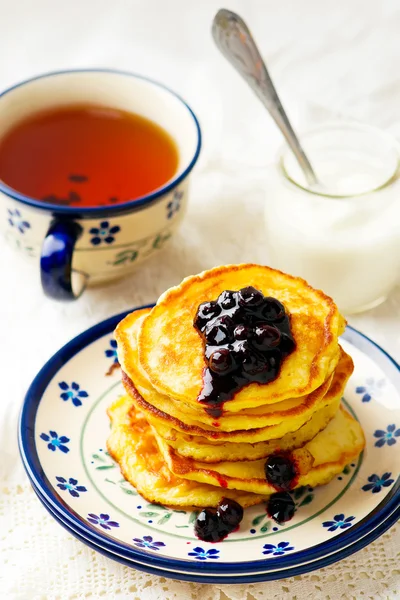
86 156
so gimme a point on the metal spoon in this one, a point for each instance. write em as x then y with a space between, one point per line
236 43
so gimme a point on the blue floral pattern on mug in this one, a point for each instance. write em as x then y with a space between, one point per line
55 441
72 392
71 486
147 542
387 437
16 220
376 483
277 550
104 233
103 520
339 522
112 351
371 389
175 204
201 554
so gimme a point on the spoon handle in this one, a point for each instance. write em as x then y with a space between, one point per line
236 43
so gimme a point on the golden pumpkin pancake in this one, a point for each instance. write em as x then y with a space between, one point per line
294 412
233 383
177 420
127 337
317 462
202 449
300 408
132 444
171 351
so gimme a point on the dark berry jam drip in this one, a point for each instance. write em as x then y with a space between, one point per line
214 524
247 336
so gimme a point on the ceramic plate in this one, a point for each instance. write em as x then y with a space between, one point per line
64 426
204 578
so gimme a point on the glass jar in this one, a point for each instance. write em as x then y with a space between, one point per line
342 236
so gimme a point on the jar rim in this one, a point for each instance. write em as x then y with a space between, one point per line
348 125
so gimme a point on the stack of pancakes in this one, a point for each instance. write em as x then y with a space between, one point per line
175 453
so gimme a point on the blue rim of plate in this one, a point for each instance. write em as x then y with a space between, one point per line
384 511
129 205
260 577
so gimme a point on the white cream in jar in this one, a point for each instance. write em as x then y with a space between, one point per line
344 235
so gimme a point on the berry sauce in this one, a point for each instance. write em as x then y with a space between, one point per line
222 482
214 524
247 336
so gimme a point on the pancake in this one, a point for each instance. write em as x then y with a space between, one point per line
171 350
293 412
132 444
180 422
127 333
273 383
317 462
300 409
201 449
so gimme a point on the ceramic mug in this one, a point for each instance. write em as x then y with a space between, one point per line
90 245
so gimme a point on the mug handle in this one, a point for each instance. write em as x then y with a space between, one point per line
56 262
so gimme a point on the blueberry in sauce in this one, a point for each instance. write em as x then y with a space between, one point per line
273 310
219 332
214 524
221 361
205 312
209 527
281 507
230 511
280 471
242 332
287 343
253 364
227 300
266 336
250 297
246 337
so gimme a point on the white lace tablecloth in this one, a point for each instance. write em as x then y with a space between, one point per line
338 58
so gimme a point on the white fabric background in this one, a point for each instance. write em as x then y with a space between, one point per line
327 59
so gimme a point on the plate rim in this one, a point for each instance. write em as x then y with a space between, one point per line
35 472
300 569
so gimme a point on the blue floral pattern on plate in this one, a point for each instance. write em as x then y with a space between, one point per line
376 483
175 204
89 465
16 220
71 486
201 554
104 233
55 441
147 542
387 437
103 520
372 389
72 392
339 522
112 351
277 550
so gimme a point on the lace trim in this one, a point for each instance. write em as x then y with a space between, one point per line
40 560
